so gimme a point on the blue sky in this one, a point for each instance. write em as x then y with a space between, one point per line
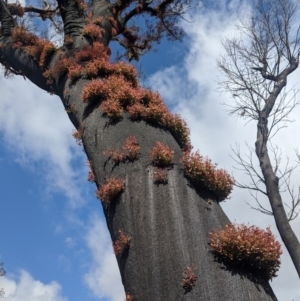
54 241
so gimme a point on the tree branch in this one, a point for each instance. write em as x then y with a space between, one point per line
22 63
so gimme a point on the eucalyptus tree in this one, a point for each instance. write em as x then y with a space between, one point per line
160 200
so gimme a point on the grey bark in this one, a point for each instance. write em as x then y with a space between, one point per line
270 179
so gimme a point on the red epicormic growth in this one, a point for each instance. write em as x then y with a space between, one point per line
162 155
204 174
160 175
247 247
39 49
128 297
110 190
121 244
91 175
118 91
189 279
78 136
130 151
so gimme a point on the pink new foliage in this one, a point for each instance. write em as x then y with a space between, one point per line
110 190
247 247
91 174
162 155
78 136
121 244
160 175
128 297
205 175
130 151
189 279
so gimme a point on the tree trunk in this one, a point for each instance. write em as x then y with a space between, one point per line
285 230
168 224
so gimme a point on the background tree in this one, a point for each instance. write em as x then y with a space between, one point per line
160 240
256 67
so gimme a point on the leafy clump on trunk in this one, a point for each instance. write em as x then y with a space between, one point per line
130 151
247 247
118 92
110 190
189 279
162 155
40 49
121 244
204 175
93 32
128 297
91 174
77 136
160 175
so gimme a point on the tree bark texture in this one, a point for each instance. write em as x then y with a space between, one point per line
168 224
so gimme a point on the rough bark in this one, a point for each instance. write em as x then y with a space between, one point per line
168 224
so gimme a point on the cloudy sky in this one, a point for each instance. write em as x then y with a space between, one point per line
54 241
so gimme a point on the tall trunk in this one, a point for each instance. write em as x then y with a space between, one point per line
168 224
285 230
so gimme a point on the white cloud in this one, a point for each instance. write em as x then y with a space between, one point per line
103 278
191 90
36 129
26 288
70 242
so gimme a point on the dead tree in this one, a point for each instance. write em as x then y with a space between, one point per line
256 67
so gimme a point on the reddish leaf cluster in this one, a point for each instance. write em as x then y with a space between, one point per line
92 52
68 40
97 21
130 152
91 174
39 49
112 108
92 31
132 148
128 297
161 155
81 5
70 65
78 136
248 247
204 174
115 155
74 72
189 279
121 244
60 69
110 190
117 93
160 175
